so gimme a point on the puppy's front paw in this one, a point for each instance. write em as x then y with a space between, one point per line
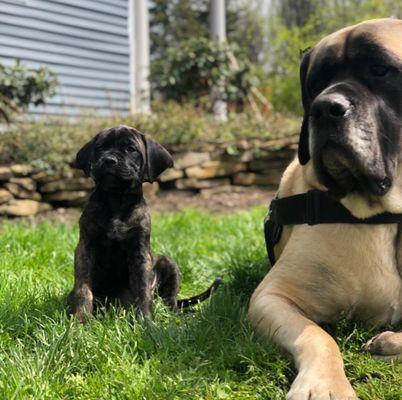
386 346
80 308
316 386
82 316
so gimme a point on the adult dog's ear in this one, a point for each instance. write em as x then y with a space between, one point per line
304 153
158 159
84 157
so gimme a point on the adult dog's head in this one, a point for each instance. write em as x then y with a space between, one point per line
352 98
121 158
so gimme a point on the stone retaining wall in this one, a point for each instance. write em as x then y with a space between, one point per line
26 191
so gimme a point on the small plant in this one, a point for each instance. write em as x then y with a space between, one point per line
20 87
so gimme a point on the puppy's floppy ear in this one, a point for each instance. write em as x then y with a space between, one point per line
158 159
83 159
304 153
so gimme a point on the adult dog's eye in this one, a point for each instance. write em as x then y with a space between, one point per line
131 149
379 71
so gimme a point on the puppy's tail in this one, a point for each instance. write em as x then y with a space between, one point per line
185 303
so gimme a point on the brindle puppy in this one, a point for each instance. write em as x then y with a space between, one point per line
113 261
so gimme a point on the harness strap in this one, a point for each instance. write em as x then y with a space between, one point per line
312 208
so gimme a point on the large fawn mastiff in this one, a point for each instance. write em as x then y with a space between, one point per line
350 148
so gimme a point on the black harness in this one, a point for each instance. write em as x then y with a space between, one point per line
312 208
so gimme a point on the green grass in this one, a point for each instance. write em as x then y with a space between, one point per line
211 354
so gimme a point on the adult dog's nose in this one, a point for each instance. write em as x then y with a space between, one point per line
332 106
110 161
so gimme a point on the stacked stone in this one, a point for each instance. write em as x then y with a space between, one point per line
25 190
19 195
210 173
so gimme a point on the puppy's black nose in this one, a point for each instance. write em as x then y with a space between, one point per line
330 106
110 161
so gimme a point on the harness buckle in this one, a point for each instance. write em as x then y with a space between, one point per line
271 222
312 207
271 210
272 231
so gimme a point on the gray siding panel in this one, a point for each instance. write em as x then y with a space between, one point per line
76 73
13 51
32 12
55 27
67 10
48 37
84 41
32 44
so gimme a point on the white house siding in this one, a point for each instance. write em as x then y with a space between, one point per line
84 41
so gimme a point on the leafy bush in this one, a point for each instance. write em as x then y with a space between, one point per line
53 144
20 87
290 33
192 68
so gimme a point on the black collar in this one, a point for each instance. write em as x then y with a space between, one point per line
312 208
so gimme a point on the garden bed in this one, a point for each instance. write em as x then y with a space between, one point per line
35 175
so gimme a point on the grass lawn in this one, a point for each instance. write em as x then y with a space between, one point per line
211 354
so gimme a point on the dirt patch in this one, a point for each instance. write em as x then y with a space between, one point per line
219 200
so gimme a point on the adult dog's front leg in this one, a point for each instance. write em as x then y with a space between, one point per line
81 298
317 357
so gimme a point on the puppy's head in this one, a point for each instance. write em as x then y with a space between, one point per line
352 97
122 158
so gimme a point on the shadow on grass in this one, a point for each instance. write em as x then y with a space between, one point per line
31 310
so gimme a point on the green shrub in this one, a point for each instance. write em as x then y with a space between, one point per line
53 144
20 87
190 69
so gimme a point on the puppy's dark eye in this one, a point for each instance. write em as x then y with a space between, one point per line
130 149
379 71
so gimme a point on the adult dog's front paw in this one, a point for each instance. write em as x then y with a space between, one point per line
316 386
386 346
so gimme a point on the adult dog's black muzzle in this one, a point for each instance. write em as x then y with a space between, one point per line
347 141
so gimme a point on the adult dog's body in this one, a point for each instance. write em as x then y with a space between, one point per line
113 261
350 145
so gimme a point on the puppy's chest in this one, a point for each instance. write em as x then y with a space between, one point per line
118 242
120 227
119 230
110 269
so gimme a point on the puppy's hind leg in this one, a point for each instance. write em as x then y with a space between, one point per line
167 275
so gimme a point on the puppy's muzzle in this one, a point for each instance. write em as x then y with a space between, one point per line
110 161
